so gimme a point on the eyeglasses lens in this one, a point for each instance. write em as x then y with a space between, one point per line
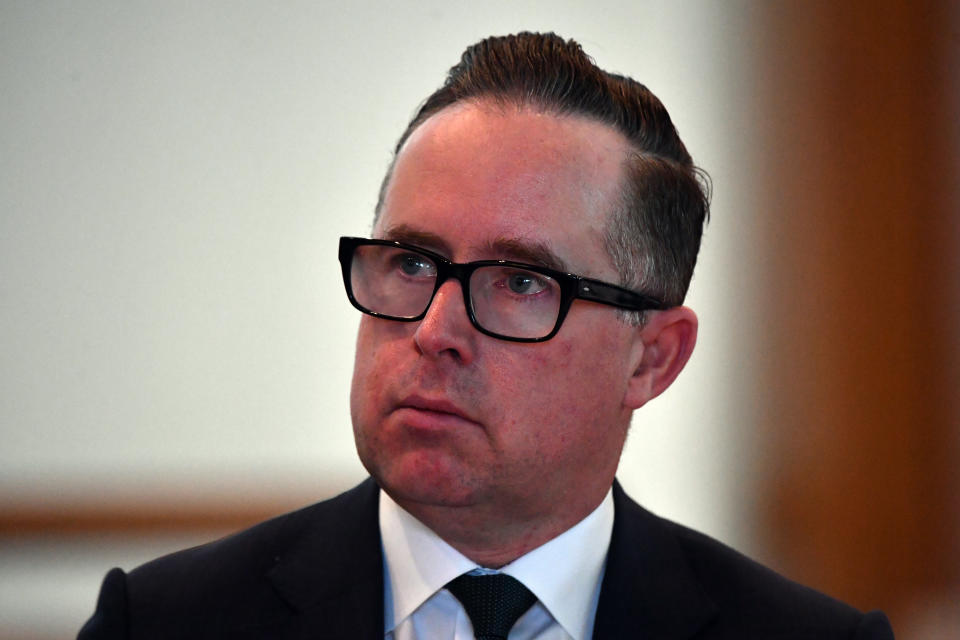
514 302
507 301
392 281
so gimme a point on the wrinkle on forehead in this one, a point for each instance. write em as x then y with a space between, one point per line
528 250
591 154
525 185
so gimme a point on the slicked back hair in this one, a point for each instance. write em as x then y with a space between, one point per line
653 235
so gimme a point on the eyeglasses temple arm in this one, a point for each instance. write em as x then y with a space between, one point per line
604 293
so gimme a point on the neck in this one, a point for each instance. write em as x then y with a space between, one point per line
489 536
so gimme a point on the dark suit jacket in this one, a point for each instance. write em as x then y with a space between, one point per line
317 573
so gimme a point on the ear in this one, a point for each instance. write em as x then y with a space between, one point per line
666 342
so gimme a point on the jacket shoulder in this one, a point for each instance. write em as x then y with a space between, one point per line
749 594
737 596
232 584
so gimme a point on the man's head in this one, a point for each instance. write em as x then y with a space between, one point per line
654 233
524 437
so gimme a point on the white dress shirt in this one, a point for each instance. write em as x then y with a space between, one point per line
564 574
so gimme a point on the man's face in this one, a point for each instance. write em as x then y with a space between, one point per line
444 415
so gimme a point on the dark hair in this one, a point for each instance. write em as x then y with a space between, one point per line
654 234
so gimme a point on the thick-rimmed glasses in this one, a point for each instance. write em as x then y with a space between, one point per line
506 300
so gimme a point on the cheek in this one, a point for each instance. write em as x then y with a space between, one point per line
368 375
548 396
361 362
368 391
581 370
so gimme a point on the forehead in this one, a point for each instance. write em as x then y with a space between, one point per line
476 176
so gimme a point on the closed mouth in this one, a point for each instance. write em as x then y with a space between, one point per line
438 406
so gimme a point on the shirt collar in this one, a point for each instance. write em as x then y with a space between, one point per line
564 573
417 562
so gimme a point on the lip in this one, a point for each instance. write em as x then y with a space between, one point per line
432 413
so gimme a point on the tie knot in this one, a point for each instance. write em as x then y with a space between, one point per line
493 602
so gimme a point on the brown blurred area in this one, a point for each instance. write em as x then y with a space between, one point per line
860 178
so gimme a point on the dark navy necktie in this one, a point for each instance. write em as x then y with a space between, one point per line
494 602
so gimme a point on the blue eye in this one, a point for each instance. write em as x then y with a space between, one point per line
524 283
413 265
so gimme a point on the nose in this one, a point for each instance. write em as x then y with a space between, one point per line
446 329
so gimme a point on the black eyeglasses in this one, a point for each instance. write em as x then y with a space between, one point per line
506 300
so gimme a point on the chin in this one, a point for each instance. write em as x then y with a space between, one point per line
414 480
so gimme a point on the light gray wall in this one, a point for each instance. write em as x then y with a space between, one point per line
173 180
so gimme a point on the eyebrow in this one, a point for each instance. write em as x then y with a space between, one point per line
528 251
516 249
411 235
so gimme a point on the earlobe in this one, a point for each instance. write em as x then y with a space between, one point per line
667 341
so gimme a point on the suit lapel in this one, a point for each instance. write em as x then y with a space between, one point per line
649 590
332 574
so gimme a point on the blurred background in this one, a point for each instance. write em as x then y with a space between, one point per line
176 347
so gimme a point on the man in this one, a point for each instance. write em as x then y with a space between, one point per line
492 394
